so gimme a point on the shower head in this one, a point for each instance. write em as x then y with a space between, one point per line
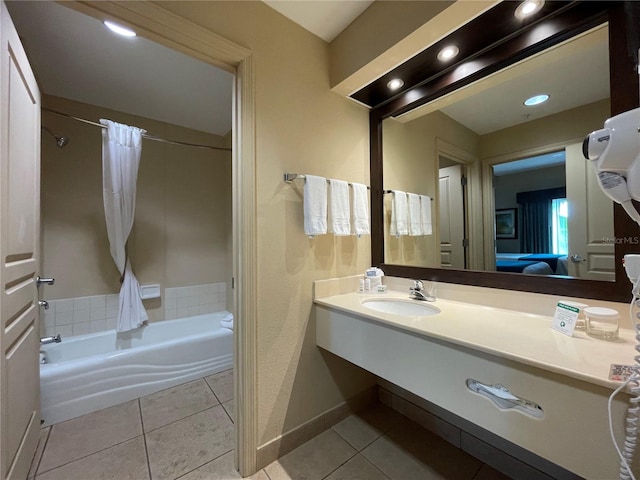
60 141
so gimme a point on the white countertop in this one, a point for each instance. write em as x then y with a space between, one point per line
522 337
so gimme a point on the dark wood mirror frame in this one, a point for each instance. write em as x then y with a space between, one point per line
623 47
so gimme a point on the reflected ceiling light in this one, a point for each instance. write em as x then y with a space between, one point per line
447 53
528 8
536 100
395 84
120 30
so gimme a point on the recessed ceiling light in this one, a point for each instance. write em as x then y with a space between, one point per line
536 100
120 30
395 84
528 8
447 53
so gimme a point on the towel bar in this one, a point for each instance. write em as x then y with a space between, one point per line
290 177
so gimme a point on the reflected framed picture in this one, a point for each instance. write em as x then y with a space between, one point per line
507 223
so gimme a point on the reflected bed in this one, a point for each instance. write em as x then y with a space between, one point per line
533 264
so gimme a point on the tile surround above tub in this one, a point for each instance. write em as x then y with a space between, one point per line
79 316
182 302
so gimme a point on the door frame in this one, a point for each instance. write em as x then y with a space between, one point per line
159 25
473 214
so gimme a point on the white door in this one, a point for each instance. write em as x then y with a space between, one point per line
19 250
452 218
590 222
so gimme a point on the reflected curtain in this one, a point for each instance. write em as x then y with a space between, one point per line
121 151
536 211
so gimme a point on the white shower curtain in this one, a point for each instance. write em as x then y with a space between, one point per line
121 149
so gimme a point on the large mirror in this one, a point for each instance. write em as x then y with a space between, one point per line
425 138
503 176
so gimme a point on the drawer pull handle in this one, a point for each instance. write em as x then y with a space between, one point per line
504 399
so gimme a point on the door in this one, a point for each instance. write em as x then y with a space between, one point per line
452 218
19 249
590 221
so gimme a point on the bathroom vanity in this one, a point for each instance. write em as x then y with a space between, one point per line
555 388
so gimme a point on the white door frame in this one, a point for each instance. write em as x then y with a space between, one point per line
155 23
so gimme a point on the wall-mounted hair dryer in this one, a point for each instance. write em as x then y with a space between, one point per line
615 153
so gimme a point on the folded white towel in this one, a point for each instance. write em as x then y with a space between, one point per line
425 211
415 218
315 205
360 206
227 321
339 211
399 214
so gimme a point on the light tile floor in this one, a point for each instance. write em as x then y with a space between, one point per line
186 433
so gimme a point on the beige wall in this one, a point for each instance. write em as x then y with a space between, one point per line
301 127
410 163
182 226
555 129
379 27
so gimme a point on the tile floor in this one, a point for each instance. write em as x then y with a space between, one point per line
186 433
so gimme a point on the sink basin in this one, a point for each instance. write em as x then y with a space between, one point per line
398 306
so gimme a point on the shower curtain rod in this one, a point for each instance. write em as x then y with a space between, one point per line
144 135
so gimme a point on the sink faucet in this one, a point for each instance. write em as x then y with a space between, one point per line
52 339
417 292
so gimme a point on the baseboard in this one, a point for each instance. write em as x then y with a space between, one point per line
288 441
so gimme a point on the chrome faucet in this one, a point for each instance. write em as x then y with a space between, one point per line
417 292
44 303
52 339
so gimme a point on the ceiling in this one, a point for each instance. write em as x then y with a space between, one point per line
575 75
324 18
74 56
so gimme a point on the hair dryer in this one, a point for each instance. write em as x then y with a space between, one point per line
615 153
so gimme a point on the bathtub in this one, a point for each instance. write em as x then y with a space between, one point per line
86 373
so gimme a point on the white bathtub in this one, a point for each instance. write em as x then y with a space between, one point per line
86 373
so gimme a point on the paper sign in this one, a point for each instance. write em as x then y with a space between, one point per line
564 320
620 373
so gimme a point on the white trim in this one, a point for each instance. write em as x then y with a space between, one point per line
245 266
474 198
155 23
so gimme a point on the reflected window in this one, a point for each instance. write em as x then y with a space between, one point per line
559 228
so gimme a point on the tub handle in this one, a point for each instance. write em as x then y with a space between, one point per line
52 339
47 281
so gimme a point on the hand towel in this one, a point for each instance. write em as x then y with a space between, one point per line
315 205
360 206
227 321
339 211
399 214
425 209
415 217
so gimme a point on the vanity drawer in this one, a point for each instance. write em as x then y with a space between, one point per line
573 432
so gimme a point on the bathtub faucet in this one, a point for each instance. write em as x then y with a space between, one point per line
52 339
44 303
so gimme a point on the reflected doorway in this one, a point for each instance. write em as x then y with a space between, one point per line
454 243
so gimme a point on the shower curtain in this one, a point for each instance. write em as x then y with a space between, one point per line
121 149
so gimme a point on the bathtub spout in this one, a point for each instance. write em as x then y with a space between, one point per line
44 303
53 339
